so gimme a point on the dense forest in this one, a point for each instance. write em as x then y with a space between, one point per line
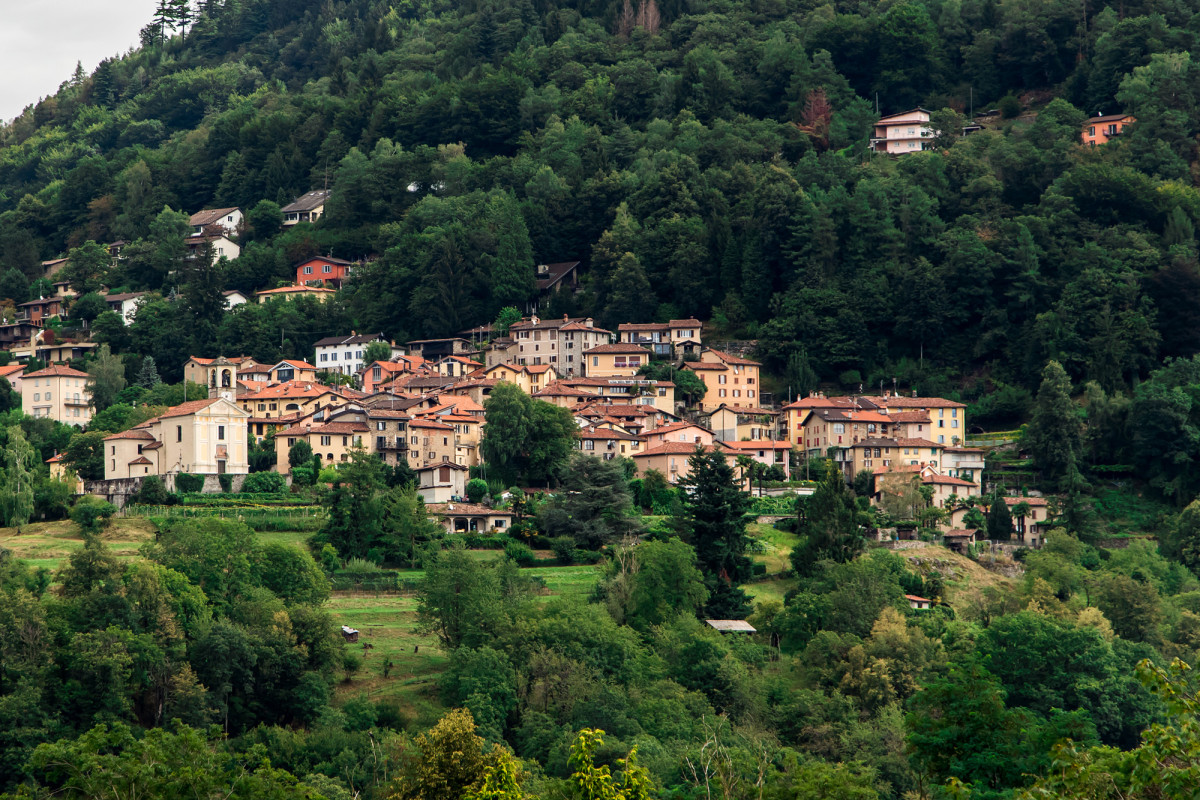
723 146
705 158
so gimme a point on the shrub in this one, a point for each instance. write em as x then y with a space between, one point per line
226 482
586 556
476 490
92 514
1010 107
302 476
265 483
361 566
520 553
774 473
851 378
186 482
564 549
328 475
153 492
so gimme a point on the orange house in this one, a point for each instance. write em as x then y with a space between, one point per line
1099 129
323 269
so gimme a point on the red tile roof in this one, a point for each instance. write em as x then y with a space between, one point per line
57 371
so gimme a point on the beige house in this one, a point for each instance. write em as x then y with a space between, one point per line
431 442
674 339
332 441
671 459
469 518
292 292
766 452
615 360
678 433
442 483
559 343
57 392
728 380
607 443
743 424
211 372
205 437
947 418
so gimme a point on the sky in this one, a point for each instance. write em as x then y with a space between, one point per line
40 42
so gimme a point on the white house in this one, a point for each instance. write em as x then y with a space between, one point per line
442 483
308 207
234 298
222 246
906 132
125 304
228 219
344 354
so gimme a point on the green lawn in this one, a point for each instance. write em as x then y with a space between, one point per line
47 544
778 546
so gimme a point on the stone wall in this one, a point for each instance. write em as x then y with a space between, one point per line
119 490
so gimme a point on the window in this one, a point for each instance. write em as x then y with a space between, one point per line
324 356
595 361
333 356
381 426
1092 130
308 270
220 433
721 393
47 397
326 269
114 449
839 427
721 379
941 440
325 441
179 433
37 396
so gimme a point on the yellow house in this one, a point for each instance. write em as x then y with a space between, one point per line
59 393
678 433
948 418
292 292
59 471
286 371
283 399
620 360
728 380
205 437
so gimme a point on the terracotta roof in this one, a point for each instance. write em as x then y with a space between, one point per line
56 371
729 358
190 407
428 423
295 364
620 347
140 460
820 402
955 533
909 416
918 443
691 322
556 389
900 401
946 480
328 428
635 327
918 599
698 365
130 434
607 433
1033 501
326 260
289 389
579 326
464 509
671 427
9 369
764 444
538 369
680 448
1106 118
152 446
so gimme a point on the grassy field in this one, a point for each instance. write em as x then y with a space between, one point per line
46 544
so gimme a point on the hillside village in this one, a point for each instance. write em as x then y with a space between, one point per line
423 403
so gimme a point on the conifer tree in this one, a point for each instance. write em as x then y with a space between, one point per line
1055 432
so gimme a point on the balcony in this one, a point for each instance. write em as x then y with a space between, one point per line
383 443
82 402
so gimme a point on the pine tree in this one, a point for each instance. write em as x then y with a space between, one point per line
1055 432
632 297
999 519
714 511
148 375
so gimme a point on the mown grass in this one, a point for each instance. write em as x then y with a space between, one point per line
48 544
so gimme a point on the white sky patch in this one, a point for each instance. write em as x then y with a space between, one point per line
42 40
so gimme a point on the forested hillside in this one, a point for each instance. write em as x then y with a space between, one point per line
724 145
699 158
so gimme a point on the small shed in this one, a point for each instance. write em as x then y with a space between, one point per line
958 540
349 634
918 602
731 625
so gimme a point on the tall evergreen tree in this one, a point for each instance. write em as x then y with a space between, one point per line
1055 433
830 522
999 519
714 519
